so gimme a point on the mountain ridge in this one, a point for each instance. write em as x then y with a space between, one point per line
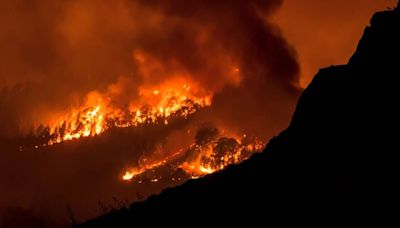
336 163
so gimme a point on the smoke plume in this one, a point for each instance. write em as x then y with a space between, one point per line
54 54
60 55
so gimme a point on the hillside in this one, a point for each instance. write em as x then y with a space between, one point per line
336 162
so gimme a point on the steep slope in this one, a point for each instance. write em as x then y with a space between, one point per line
336 162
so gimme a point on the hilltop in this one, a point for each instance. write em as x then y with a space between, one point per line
336 162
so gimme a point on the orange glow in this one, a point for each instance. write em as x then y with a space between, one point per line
175 98
204 159
133 172
218 155
323 37
128 176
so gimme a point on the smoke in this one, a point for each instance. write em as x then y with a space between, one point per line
58 55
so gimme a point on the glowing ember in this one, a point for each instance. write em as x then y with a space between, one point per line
214 153
133 172
206 170
210 153
128 176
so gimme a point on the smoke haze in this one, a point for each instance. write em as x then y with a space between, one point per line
59 55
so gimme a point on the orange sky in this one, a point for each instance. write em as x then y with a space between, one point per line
325 32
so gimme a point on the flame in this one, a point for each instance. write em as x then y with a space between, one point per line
206 170
128 176
196 170
133 172
219 154
155 105
205 159
90 122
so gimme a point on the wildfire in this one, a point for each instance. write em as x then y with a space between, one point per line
133 172
90 122
217 153
155 106
211 151
207 155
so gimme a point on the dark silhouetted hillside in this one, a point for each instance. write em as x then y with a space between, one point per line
337 162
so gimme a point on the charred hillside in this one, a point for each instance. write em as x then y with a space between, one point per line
338 159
